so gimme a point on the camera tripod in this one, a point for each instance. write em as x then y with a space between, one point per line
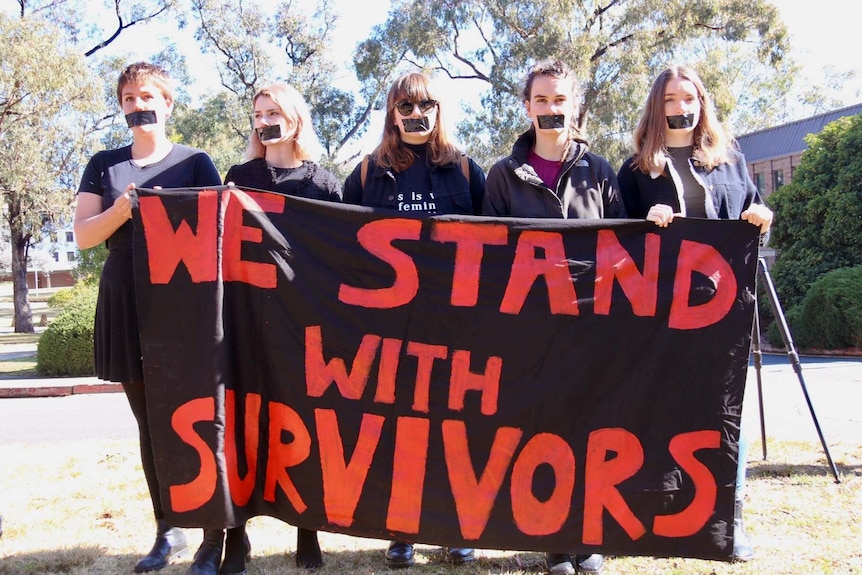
763 274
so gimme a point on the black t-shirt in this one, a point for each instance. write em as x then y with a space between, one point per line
307 181
693 193
414 184
110 171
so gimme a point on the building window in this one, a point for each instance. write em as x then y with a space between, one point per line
56 256
70 256
70 237
760 182
777 179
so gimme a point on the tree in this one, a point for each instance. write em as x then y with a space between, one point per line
818 216
196 128
291 45
46 95
70 15
617 46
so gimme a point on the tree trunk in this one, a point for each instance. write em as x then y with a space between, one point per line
23 313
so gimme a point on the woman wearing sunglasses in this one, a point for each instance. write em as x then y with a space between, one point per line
416 169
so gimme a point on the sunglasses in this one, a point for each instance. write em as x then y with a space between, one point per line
405 108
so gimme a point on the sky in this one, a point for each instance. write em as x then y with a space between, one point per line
820 36
824 34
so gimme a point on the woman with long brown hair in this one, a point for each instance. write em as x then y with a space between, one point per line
417 169
686 165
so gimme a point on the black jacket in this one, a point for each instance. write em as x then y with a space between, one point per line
452 195
586 188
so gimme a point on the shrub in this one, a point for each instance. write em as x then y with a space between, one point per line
61 298
830 314
794 324
832 310
66 346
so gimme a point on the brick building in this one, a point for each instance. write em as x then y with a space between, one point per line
773 154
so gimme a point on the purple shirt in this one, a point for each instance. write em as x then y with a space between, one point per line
547 170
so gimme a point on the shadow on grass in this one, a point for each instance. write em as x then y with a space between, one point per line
54 561
18 338
786 470
85 559
428 561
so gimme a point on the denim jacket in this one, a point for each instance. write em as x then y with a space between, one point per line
728 189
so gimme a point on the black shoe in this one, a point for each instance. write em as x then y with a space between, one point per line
308 555
742 549
237 552
208 556
460 555
559 563
399 555
590 563
169 546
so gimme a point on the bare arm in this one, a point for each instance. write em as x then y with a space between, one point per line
92 225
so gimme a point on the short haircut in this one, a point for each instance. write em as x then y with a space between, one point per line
141 73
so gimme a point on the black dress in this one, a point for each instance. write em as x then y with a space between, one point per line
117 345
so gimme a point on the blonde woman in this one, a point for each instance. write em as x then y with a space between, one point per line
282 148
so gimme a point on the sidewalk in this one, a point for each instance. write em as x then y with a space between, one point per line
46 386
834 385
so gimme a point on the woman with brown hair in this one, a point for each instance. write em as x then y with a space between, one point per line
686 165
417 169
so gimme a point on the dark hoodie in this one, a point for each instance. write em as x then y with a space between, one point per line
586 187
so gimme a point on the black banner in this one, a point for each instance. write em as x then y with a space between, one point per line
524 384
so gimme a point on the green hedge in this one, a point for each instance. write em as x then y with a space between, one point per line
66 345
830 315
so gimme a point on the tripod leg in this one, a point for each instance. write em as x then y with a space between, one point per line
791 353
758 364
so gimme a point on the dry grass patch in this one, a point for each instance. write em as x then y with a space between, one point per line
82 508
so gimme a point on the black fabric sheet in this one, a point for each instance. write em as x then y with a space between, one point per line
570 386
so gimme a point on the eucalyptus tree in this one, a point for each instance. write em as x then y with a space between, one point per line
53 104
289 42
616 46
47 92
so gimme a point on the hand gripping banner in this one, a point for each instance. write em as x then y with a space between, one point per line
503 383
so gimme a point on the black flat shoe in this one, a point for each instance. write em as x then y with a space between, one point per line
169 546
399 555
208 556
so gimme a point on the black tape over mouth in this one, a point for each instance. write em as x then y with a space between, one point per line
551 121
680 122
269 132
141 118
416 124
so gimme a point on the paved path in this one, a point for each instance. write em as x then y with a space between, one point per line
834 387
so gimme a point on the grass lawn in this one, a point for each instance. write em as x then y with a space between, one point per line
82 509
19 367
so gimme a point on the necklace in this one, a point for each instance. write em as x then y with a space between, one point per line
272 172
